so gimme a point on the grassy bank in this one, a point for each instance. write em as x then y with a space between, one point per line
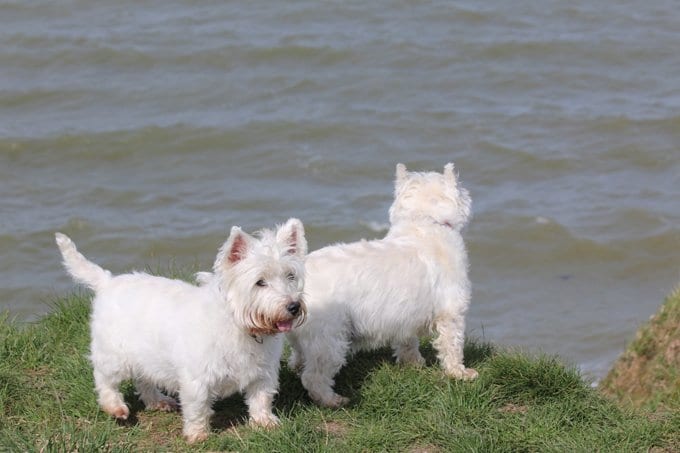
648 373
519 403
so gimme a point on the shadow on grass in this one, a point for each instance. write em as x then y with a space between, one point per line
351 378
348 382
229 412
233 412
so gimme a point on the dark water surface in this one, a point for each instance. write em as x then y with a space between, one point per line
145 131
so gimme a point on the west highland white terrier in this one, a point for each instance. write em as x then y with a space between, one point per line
370 294
201 342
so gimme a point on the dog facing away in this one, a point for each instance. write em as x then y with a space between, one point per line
201 342
370 294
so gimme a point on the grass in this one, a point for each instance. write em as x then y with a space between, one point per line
519 403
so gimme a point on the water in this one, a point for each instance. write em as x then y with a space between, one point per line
145 131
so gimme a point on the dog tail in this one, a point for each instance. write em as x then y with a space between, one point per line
81 269
203 278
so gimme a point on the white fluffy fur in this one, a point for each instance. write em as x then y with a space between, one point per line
201 342
369 294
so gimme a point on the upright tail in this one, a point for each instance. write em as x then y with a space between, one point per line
82 270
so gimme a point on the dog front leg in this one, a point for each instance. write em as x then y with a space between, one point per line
196 411
449 346
259 398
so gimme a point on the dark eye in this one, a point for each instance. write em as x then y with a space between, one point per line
261 282
291 276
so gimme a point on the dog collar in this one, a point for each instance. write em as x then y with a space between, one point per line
444 224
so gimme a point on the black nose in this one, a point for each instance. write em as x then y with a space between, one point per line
293 308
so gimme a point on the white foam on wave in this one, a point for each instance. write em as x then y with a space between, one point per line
378 227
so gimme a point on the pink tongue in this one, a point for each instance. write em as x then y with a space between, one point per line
284 326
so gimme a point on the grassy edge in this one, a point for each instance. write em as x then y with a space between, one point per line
647 374
521 402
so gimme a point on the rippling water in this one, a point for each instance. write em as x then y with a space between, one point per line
145 131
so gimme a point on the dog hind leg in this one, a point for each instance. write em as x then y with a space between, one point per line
320 367
408 353
153 399
108 395
297 358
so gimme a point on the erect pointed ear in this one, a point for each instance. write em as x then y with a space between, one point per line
449 175
292 236
235 249
401 173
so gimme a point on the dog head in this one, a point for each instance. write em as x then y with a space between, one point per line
263 277
430 196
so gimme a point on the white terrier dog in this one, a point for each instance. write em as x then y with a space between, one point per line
370 294
203 342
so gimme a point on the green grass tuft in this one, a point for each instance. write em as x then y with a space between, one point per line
520 402
515 378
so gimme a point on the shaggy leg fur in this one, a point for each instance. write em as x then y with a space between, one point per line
196 411
319 369
109 397
320 387
449 346
259 398
409 353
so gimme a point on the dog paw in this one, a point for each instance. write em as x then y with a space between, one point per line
412 360
470 374
164 405
462 373
121 412
196 436
334 402
267 421
340 401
